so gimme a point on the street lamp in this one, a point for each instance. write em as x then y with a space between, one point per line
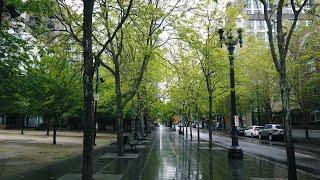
96 99
231 40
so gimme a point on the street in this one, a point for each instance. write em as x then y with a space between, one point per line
274 151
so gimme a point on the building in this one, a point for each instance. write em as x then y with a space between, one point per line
255 25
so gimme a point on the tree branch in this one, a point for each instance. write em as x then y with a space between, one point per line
123 19
270 35
296 16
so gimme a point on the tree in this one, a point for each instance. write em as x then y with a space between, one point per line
87 157
207 49
16 37
279 58
14 57
256 87
302 78
122 52
71 23
52 87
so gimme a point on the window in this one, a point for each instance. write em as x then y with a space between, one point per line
250 25
269 126
248 4
309 4
278 127
257 7
311 66
315 115
257 4
315 91
261 25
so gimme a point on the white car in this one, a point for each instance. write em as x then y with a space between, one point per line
252 131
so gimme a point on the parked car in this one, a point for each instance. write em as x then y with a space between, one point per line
241 131
271 131
252 131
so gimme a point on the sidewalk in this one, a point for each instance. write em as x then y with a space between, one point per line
107 165
299 136
299 133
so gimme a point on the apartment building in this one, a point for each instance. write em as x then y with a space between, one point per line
254 17
255 25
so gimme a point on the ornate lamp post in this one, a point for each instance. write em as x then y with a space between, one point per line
231 40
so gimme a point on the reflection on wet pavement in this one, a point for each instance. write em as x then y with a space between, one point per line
173 156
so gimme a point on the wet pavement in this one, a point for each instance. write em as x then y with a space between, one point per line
309 162
174 156
167 155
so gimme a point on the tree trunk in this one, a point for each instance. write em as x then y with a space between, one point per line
241 121
305 120
48 126
96 106
307 133
120 145
186 125
198 129
291 162
259 116
267 108
87 160
190 130
22 124
95 122
27 121
146 119
54 132
210 99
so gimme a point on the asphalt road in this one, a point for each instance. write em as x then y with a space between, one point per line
305 160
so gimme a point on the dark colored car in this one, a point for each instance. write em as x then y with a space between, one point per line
241 131
156 124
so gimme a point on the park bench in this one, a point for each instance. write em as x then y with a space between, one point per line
131 143
138 136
